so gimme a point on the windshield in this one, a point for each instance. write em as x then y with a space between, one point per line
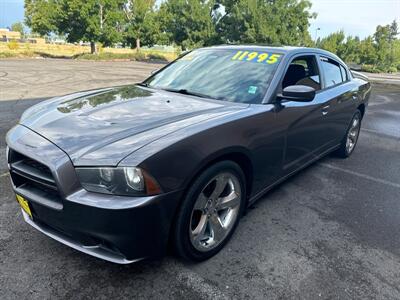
224 74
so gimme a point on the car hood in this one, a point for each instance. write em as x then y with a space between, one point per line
101 127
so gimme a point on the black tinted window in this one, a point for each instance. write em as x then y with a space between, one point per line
302 70
331 71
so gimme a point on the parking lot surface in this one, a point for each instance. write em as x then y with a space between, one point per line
329 232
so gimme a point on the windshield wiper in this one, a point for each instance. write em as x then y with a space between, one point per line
190 93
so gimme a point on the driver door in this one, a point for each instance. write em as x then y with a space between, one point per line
305 123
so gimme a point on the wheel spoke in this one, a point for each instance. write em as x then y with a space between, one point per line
220 185
215 211
216 227
352 137
198 232
229 201
201 202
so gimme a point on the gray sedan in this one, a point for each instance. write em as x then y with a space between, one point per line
120 173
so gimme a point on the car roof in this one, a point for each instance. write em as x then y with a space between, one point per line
280 49
283 49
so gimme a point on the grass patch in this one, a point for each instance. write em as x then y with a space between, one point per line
136 56
7 54
156 56
21 50
19 54
108 56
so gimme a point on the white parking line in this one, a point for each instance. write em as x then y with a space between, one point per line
4 175
193 281
379 180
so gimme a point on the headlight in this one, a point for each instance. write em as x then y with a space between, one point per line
124 181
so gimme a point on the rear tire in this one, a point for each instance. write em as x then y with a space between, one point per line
210 211
349 141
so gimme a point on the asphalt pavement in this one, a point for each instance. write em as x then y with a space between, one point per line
329 232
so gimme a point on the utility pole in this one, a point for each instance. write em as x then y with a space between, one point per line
316 34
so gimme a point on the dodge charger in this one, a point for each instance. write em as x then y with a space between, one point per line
127 172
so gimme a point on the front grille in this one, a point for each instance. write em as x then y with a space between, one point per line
32 178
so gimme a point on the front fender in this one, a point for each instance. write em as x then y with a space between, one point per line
176 165
175 159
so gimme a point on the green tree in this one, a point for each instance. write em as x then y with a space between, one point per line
91 20
367 51
186 23
41 16
272 22
350 51
382 42
19 27
334 42
381 50
142 26
396 54
393 32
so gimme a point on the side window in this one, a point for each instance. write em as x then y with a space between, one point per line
303 70
344 73
332 72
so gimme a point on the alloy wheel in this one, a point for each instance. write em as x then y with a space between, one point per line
215 211
352 134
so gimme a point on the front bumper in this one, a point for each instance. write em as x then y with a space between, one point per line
114 228
135 229
96 251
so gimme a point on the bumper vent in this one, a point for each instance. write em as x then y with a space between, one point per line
33 179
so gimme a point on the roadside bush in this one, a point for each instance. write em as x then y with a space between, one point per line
139 56
392 69
370 69
7 54
13 45
156 56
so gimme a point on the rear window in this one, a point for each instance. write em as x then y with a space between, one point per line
332 72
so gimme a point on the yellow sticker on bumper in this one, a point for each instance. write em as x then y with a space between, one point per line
24 204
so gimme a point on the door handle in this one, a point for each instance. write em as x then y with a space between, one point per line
325 110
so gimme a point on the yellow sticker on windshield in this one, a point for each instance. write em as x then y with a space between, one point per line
258 57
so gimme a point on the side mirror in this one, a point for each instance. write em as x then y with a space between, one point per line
300 93
218 11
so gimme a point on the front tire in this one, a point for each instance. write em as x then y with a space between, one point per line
350 139
210 211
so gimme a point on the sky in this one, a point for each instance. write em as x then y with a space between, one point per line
355 17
